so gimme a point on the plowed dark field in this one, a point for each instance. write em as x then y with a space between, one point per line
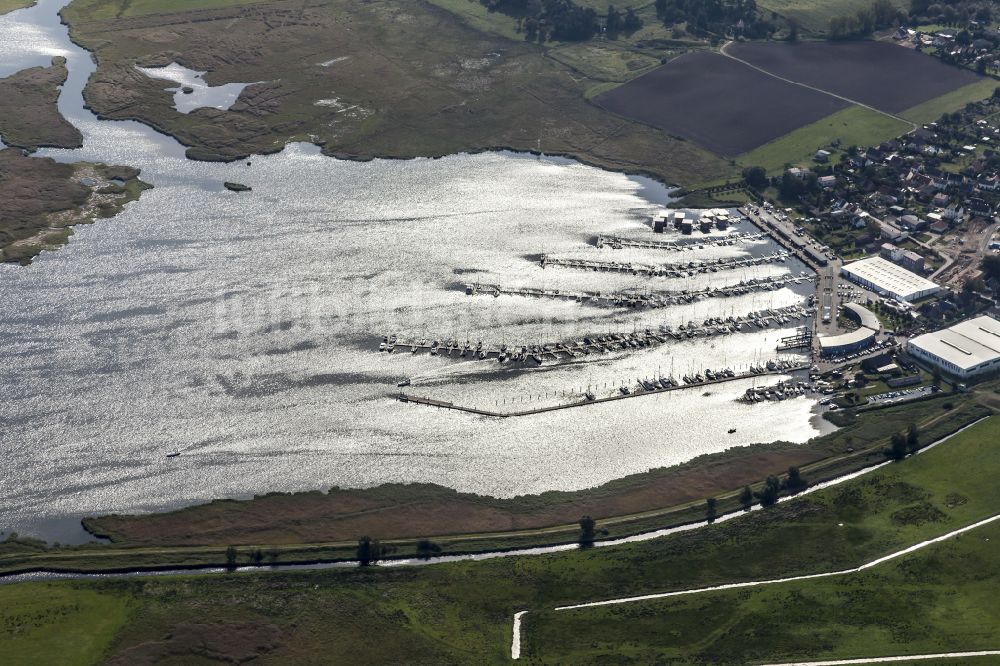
718 103
886 76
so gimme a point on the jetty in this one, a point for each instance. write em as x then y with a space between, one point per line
617 242
676 270
643 300
639 389
570 350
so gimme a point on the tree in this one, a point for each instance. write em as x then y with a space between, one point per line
991 264
795 483
427 548
256 557
791 187
793 30
897 446
769 494
613 22
755 177
632 21
912 438
746 498
711 510
231 558
369 551
587 531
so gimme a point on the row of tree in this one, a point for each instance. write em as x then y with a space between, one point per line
564 20
953 12
719 17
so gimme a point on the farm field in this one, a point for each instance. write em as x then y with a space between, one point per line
718 103
901 80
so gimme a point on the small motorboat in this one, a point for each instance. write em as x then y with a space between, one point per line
405 382
174 454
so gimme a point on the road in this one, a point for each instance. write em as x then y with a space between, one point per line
827 295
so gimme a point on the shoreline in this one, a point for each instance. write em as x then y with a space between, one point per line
53 573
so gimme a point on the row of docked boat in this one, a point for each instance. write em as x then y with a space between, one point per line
604 343
618 242
677 270
780 391
644 300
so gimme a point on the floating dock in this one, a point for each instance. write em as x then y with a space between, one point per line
685 269
596 344
640 300
642 389
617 242
802 338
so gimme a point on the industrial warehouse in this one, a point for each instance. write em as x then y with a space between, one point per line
862 338
965 350
888 279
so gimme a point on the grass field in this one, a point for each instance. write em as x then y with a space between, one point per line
58 624
103 9
856 126
475 14
933 109
814 15
11 5
943 597
461 613
604 61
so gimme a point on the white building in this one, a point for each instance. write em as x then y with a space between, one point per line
886 278
964 350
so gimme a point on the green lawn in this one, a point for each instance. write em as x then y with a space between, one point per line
933 109
853 126
58 623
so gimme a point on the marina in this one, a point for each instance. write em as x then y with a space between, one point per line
642 387
643 300
677 270
254 307
605 343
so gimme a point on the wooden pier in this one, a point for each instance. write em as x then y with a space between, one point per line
617 242
779 367
642 300
684 269
598 343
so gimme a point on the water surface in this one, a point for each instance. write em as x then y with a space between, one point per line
241 329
